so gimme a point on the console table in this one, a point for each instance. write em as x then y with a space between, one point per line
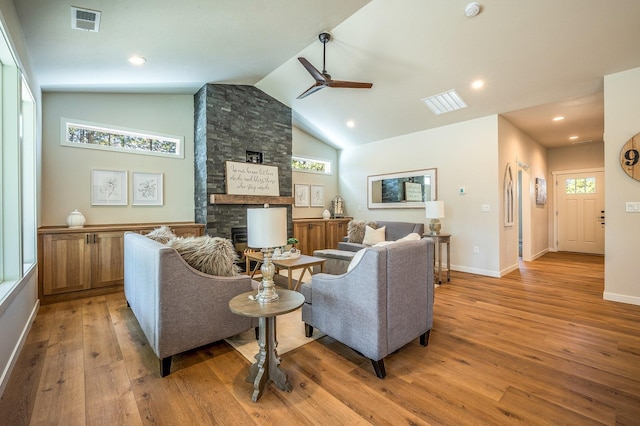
267 365
441 239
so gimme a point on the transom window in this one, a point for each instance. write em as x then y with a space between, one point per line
581 186
301 164
82 134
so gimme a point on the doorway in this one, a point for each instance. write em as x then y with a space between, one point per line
524 212
580 217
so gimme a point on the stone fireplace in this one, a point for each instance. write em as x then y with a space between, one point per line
241 124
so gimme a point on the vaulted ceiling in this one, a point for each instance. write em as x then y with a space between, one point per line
538 59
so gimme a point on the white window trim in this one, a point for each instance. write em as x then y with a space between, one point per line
64 121
320 160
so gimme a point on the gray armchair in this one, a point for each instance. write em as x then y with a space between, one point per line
383 303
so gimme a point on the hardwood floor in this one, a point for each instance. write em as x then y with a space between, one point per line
538 346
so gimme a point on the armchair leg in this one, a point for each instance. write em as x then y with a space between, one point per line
378 366
257 330
165 366
308 330
424 338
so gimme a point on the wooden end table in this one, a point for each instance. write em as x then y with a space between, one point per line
440 239
303 262
267 365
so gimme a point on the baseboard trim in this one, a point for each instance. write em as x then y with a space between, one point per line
622 298
476 271
18 347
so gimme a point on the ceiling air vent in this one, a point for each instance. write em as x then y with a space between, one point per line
444 102
85 19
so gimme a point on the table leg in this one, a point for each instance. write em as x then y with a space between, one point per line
448 262
439 263
267 365
299 282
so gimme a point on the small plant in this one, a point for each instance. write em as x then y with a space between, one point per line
293 241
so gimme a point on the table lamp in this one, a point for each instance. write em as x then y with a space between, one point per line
266 229
435 211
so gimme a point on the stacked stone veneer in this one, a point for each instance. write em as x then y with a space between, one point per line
229 121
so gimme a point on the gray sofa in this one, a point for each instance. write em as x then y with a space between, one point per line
383 303
178 308
393 231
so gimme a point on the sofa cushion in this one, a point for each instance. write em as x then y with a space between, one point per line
356 230
211 255
373 236
162 234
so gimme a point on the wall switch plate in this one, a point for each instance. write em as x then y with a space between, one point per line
632 207
476 250
486 208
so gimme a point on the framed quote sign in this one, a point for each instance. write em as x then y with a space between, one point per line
251 179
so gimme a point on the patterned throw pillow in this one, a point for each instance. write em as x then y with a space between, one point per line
211 255
163 234
356 230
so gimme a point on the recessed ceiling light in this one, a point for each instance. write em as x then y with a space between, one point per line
573 138
478 84
444 102
558 118
351 124
137 60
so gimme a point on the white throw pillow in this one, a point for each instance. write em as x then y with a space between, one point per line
356 259
373 236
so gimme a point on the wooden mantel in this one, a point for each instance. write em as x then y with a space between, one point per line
248 199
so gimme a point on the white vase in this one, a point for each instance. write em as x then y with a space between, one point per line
326 214
76 219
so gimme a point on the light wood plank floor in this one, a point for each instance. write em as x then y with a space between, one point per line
538 346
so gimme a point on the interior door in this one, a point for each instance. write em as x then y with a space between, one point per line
580 212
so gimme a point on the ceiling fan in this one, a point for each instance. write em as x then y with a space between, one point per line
323 79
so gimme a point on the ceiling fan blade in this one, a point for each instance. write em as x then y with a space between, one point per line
311 90
317 75
349 84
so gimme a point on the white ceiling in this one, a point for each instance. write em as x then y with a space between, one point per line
539 58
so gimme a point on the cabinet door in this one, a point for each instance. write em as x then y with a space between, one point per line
67 263
335 231
107 258
188 231
310 236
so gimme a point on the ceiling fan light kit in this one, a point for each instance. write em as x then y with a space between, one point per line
323 79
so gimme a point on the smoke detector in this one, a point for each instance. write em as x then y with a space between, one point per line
472 9
85 19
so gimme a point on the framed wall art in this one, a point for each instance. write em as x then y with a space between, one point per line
541 191
108 188
301 194
317 196
148 189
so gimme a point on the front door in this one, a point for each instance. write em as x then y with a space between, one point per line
580 212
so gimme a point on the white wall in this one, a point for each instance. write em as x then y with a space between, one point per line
465 155
516 148
66 170
305 145
622 231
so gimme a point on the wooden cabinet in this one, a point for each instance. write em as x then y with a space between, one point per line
317 234
89 261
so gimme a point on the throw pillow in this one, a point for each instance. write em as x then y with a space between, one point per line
211 255
356 259
163 234
356 230
373 236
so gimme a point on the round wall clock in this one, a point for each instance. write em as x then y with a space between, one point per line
630 157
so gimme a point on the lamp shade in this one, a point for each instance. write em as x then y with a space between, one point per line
267 227
434 209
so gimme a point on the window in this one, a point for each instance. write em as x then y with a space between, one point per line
83 134
17 173
581 186
301 164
